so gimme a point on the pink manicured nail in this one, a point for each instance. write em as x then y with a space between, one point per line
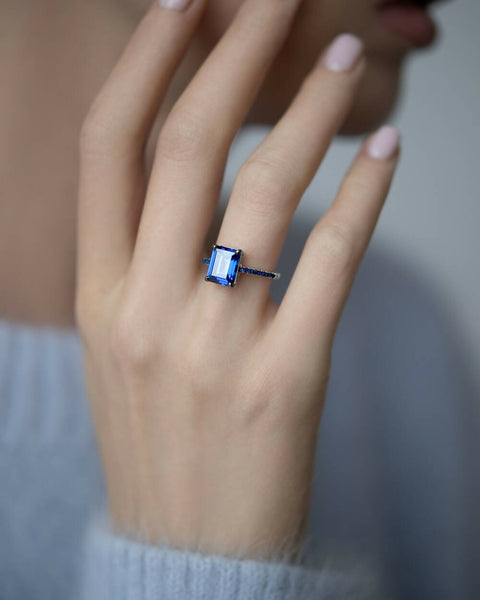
343 53
384 142
174 4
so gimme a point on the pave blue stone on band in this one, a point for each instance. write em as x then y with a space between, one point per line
225 265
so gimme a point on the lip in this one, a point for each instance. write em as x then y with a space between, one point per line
409 19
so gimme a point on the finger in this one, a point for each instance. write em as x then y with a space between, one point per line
194 142
271 182
309 312
114 134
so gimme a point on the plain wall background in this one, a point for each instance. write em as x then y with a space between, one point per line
431 219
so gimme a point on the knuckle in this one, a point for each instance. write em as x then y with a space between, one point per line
262 187
335 245
277 395
132 343
359 184
255 405
94 134
185 137
102 134
260 391
265 399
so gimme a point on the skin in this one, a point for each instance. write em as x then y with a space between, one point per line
218 460
74 52
182 443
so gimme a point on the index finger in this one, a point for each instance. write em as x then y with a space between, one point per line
114 134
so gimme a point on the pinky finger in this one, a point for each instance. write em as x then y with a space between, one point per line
313 303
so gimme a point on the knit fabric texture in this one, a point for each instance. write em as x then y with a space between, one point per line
395 487
119 568
55 538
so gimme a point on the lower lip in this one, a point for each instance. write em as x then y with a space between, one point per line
410 22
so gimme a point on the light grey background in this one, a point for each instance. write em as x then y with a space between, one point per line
432 216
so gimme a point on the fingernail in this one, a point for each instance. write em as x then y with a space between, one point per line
343 53
174 4
384 143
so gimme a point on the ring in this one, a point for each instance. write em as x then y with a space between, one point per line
225 265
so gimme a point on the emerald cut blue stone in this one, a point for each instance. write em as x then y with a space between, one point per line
224 265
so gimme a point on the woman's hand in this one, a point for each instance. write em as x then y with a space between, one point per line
207 399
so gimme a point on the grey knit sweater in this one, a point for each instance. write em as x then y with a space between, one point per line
395 489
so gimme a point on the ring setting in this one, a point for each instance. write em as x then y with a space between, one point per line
225 264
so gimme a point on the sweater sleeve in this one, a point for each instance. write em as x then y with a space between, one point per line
117 567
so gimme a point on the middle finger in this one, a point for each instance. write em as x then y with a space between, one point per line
271 182
193 145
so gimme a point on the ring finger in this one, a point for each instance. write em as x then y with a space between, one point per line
271 182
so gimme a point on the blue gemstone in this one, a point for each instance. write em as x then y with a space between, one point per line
224 265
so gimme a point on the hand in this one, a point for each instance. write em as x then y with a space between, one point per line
206 399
